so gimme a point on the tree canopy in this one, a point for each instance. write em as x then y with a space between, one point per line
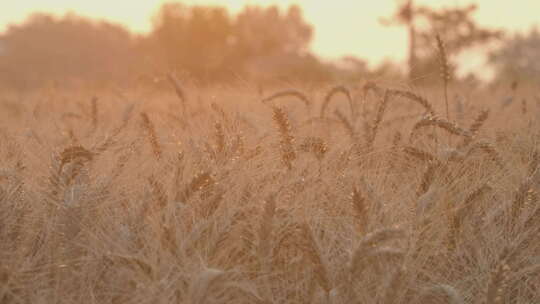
517 57
47 48
455 26
204 42
208 43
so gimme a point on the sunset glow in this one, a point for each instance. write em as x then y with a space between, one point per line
342 27
269 151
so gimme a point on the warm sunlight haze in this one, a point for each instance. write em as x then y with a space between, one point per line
270 152
343 27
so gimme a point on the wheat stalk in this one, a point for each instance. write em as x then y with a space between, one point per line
521 200
198 183
420 154
394 285
416 98
361 210
335 90
450 127
288 153
475 127
221 112
292 93
265 233
111 139
220 138
497 284
178 89
533 165
368 246
427 178
371 86
313 252
396 139
524 107
479 122
199 289
77 156
158 191
490 150
94 113
378 118
211 207
346 124
151 135
450 292
445 70
135 263
457 216
315 145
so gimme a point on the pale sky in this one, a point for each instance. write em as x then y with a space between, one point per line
342 27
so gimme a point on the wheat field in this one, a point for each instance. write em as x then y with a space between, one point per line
359 193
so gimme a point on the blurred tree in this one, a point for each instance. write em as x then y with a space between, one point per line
50 49
455 26
209 44
517 58
196 39
262 31
203 42
405 16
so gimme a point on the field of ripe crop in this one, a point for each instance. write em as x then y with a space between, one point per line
364 193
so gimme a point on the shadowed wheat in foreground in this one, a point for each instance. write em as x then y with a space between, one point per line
346 194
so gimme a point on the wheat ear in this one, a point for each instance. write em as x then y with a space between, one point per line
94 113
475 127
178 89
427 178
378 118
420 154
497 284
288 153
315 145
151 134
111 139
360 208
198 183
445 70
450 127
416 98
490 150
457 216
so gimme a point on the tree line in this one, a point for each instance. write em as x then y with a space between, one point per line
208 44
201 42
